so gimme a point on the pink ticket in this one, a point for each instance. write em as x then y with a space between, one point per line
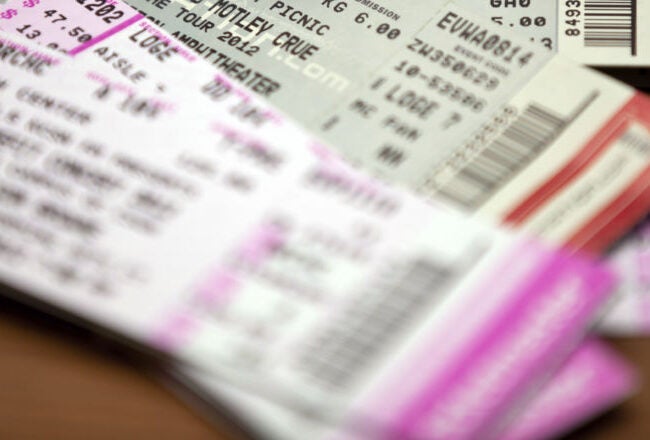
133 212
595 380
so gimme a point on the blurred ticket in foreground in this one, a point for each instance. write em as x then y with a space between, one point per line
423 93
563 402
594 32
273 267
631 314
124 46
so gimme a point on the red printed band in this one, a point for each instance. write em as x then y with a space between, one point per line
612 221
533 335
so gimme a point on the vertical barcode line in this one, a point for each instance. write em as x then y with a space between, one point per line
611 23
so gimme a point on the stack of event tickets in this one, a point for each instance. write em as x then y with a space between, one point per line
340 219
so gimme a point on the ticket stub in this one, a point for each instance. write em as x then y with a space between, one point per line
109 52
549 160
74 187
631 260
605 33
554 412
535 19
384 99
597 33
595 367
333 361
310 268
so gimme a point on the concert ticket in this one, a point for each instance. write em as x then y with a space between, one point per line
594 32
470 119
121 57
563 403
185 248
594 367
598 32
631 311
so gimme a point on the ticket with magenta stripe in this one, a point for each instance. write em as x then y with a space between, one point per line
102 226
112 56
598 33
631 260
592 381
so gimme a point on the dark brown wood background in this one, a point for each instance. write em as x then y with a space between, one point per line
59 382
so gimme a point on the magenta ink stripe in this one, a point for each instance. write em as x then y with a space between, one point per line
539 288
422 406
382 402
602 380
106 34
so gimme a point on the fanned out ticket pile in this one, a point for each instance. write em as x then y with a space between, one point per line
338 219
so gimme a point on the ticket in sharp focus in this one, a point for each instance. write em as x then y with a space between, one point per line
554 156
150 44
598 32
432 96
153 244
593 32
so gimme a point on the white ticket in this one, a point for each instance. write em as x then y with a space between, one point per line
113 216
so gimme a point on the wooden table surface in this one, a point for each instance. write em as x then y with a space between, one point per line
57 382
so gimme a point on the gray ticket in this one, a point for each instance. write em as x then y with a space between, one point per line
394 86
304 57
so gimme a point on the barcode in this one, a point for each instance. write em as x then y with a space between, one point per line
610 23
340 352
516 147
